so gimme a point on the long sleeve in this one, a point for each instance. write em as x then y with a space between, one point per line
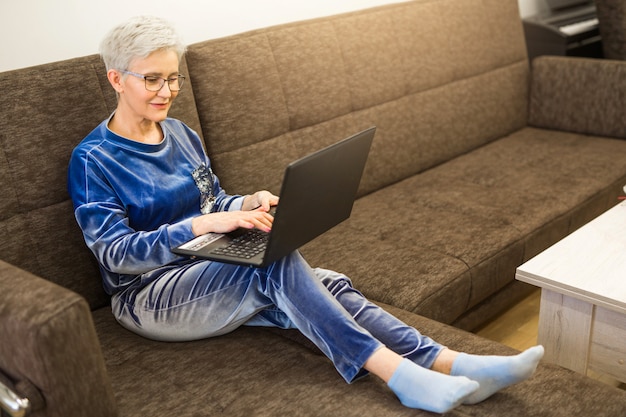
134 202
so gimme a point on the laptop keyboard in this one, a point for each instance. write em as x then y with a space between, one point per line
246 245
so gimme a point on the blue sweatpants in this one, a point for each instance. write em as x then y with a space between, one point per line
203 299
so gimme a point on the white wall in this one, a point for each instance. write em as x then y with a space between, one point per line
38 31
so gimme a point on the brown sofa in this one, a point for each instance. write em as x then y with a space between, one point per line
479 162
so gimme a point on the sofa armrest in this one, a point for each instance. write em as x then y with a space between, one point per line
580 95
49 342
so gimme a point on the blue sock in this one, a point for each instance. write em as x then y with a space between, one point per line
418 387
494 373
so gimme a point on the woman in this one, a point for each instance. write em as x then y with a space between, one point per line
141 184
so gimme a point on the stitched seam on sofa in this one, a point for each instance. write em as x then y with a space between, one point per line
473 76
282 86
444 289
344 66
15 195
354 111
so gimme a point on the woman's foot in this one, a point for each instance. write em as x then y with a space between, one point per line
494 373
418 387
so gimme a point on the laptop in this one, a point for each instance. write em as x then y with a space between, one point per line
317 193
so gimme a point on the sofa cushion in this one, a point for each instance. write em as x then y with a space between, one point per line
255 371
472 220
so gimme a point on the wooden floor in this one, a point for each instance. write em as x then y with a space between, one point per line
518 327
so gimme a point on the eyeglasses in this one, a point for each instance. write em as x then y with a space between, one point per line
154 83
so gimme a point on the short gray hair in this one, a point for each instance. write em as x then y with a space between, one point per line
138 38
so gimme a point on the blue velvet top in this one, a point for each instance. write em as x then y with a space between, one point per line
135 201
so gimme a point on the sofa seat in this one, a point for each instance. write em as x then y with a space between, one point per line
260 372
480 215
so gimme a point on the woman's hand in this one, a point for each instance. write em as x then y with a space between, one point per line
254 213
261 200
227 221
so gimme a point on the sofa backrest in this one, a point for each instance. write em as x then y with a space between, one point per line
47 110
437 77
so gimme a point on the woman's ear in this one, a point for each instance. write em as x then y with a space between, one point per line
115 78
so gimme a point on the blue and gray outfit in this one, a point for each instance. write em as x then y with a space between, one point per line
135 201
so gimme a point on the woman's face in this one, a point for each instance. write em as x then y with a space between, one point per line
139 103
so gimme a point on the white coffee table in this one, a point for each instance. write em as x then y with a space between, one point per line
582 317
